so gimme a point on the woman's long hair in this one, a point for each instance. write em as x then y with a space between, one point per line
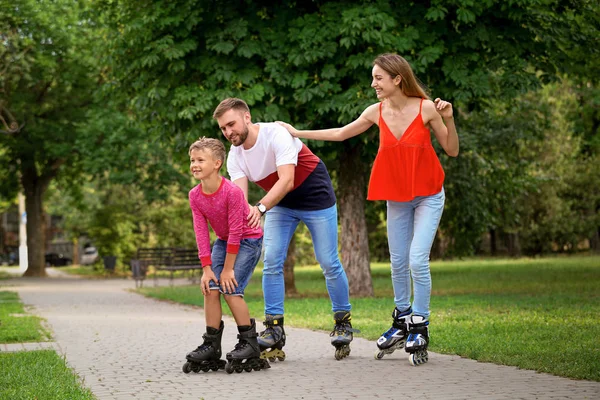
395 65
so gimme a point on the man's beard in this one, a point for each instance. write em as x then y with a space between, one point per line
241 137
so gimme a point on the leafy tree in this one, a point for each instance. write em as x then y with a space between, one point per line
46 81
309 63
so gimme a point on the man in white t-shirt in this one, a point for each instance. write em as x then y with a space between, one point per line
298 188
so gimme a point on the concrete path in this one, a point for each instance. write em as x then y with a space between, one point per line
126 346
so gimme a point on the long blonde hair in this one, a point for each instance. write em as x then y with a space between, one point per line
396 65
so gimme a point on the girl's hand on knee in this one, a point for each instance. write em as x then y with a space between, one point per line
207 276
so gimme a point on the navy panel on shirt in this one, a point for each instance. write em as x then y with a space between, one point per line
315 193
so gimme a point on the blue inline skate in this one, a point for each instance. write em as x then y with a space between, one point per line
418 340
395 337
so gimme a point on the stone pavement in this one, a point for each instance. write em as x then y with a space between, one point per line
126 346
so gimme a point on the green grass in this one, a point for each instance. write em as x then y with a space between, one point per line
38 375
15 326
32 374
540 314
5 275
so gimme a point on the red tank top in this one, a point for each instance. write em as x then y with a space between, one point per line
407 167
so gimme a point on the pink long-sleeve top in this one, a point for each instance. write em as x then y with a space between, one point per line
226 211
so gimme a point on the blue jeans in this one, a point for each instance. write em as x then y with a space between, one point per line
280 224
244 265
411 228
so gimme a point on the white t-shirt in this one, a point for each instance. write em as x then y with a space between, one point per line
274 147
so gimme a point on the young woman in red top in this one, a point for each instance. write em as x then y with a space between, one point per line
408 175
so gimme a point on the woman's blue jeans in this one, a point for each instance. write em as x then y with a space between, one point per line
280 224
411 229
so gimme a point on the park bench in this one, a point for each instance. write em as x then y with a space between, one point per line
181 260
164 259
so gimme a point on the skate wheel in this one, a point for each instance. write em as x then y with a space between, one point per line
186 368
379 355
281 358
229 368
413 360
418 358
248 369
272 359
239 369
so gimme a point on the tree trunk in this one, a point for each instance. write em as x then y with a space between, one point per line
493 246
514 245
35 188
2 234
595 241
75 252
354 236
288 268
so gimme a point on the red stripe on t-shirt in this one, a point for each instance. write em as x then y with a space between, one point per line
307 162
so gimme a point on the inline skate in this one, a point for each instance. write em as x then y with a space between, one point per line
418 340
207 356
341 336
246 354
272 339
395 337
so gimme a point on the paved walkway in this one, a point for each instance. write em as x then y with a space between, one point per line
126 346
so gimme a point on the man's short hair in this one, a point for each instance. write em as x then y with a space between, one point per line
231 103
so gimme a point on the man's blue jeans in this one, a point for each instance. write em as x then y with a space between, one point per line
280 224
411 229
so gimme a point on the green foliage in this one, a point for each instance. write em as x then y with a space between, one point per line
309 63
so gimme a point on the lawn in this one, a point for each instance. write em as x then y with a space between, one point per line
32 374
38 375
17 326
540 314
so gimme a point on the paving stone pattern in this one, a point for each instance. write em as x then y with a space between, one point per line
126 346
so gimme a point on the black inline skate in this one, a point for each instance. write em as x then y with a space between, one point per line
341 336
395 337
246 354
272 339
418 340
207 356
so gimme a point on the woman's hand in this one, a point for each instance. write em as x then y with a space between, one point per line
293 131
444 108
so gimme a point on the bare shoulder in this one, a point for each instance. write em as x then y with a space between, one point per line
428 106
429 112
371 113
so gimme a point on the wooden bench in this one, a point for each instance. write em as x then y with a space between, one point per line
164 259
181 260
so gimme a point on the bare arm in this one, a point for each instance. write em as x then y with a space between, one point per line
441 119
283 186
242 183
356 127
